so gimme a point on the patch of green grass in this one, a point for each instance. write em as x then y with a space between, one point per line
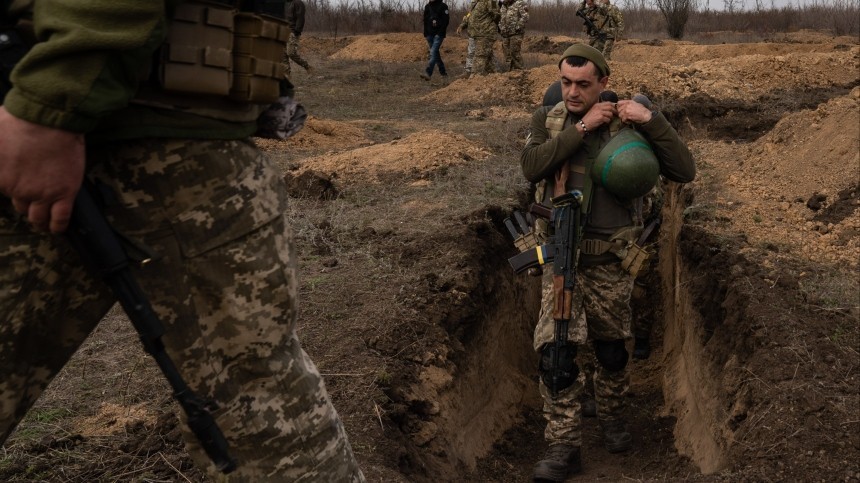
315 281
49 415
383 377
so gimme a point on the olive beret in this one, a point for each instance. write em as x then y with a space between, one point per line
586 52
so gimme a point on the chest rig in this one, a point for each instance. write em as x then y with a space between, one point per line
623 242
218 61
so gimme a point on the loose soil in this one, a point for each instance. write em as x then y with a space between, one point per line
411 311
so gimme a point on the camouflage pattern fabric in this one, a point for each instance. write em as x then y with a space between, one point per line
483 63
513 18
601 311
609 20
512 27
470 55
642 300
224 285
483 22
292 53
512 47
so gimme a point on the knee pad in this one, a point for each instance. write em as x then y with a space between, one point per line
611 354
567 368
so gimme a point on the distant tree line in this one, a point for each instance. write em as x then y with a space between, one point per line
643 19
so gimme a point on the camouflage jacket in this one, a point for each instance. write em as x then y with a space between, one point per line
590 13
513 18
90 62
484 19
609 20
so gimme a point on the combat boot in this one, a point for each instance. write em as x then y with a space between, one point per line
559 462
616 438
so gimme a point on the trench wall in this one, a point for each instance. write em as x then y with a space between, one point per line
692 381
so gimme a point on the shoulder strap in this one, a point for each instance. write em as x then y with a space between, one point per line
555 119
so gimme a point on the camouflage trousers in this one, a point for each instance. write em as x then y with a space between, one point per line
603 44
512 47
483 63
470 55
223 283
601 311
292 54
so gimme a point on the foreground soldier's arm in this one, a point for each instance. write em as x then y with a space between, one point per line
541 156
87 64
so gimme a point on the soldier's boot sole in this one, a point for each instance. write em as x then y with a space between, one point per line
550 470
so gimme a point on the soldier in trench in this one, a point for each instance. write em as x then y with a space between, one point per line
575 132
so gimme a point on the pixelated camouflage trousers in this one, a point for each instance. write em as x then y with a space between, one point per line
512 47
604 45
601 311
483 63
223 284
470 55
292 54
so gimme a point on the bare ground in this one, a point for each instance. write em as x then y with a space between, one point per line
409 307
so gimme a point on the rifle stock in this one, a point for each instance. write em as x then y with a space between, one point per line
102 252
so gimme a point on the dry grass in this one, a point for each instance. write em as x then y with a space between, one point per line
556 17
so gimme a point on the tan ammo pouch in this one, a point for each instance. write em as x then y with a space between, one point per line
215 50
530 240
636 260
197 56
622 244
258 50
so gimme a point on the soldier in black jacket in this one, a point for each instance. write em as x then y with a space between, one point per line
435 25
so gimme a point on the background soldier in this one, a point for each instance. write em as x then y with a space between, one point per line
573 133
294 14
589 11
188 183
512 26
470 45
483 26
436 20
610 26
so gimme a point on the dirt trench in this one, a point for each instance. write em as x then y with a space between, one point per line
481 416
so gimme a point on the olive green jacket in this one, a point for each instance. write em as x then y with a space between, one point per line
90 59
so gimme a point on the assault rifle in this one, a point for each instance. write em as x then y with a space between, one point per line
563 251
592 29
102 252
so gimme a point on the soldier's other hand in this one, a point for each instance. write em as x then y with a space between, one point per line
633 112
599 114
41 170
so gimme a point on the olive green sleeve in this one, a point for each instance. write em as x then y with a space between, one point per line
676 161
542 156
89 60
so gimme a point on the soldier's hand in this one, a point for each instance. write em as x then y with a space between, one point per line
41 170
599 114
633 112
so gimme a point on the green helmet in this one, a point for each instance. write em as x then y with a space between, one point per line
626 166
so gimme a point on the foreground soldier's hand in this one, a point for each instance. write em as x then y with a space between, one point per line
41 170
633 112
